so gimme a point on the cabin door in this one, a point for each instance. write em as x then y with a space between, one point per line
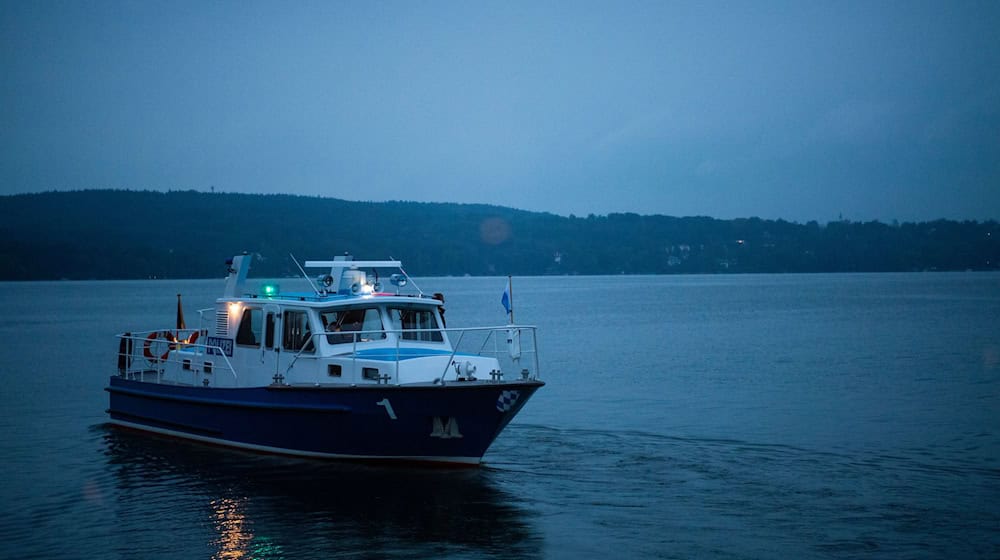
271 349
297 347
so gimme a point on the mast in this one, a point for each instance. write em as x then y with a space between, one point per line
507 300
510 290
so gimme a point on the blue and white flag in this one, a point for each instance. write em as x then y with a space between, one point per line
505 298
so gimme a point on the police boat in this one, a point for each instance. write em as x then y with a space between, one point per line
348 370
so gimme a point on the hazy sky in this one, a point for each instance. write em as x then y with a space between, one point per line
798 110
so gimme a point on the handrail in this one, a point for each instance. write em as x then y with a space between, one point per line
496 351
357 337
137 351
454 350
389 352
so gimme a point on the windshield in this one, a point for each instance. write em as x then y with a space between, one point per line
343 325
421 321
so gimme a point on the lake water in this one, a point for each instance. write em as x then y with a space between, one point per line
762 416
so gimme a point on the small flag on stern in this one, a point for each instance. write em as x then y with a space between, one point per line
507 299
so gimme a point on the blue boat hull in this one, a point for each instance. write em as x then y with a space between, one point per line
454 423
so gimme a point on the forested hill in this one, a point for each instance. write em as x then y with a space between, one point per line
104 234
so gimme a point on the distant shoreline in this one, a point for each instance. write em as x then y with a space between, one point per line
130 235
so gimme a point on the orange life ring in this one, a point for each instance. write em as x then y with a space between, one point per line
147 351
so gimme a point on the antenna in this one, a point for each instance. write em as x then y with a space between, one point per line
306 276
410 280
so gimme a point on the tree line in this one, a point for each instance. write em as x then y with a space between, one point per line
120 234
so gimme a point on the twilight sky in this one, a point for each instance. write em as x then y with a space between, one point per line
798 110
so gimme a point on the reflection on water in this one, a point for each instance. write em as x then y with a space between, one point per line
251 506
235 534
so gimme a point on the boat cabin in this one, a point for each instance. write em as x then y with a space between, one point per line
349 331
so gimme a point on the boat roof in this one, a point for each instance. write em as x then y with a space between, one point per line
313 298
345 281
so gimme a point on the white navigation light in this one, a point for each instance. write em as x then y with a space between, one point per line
397 280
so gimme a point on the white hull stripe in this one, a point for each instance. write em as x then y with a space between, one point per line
294 452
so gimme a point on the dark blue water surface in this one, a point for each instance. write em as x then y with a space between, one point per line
796 416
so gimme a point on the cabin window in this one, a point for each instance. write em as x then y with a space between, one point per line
343 325
250 327
296 332
269 332
417 324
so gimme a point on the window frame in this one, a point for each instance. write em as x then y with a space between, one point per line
349 336
429 334
257 334
289 333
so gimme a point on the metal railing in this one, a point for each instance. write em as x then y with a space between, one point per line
145 355
510 350
509 347
149 355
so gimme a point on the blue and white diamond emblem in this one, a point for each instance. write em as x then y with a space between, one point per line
507 400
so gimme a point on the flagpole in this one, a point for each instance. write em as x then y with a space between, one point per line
510 290
180 315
